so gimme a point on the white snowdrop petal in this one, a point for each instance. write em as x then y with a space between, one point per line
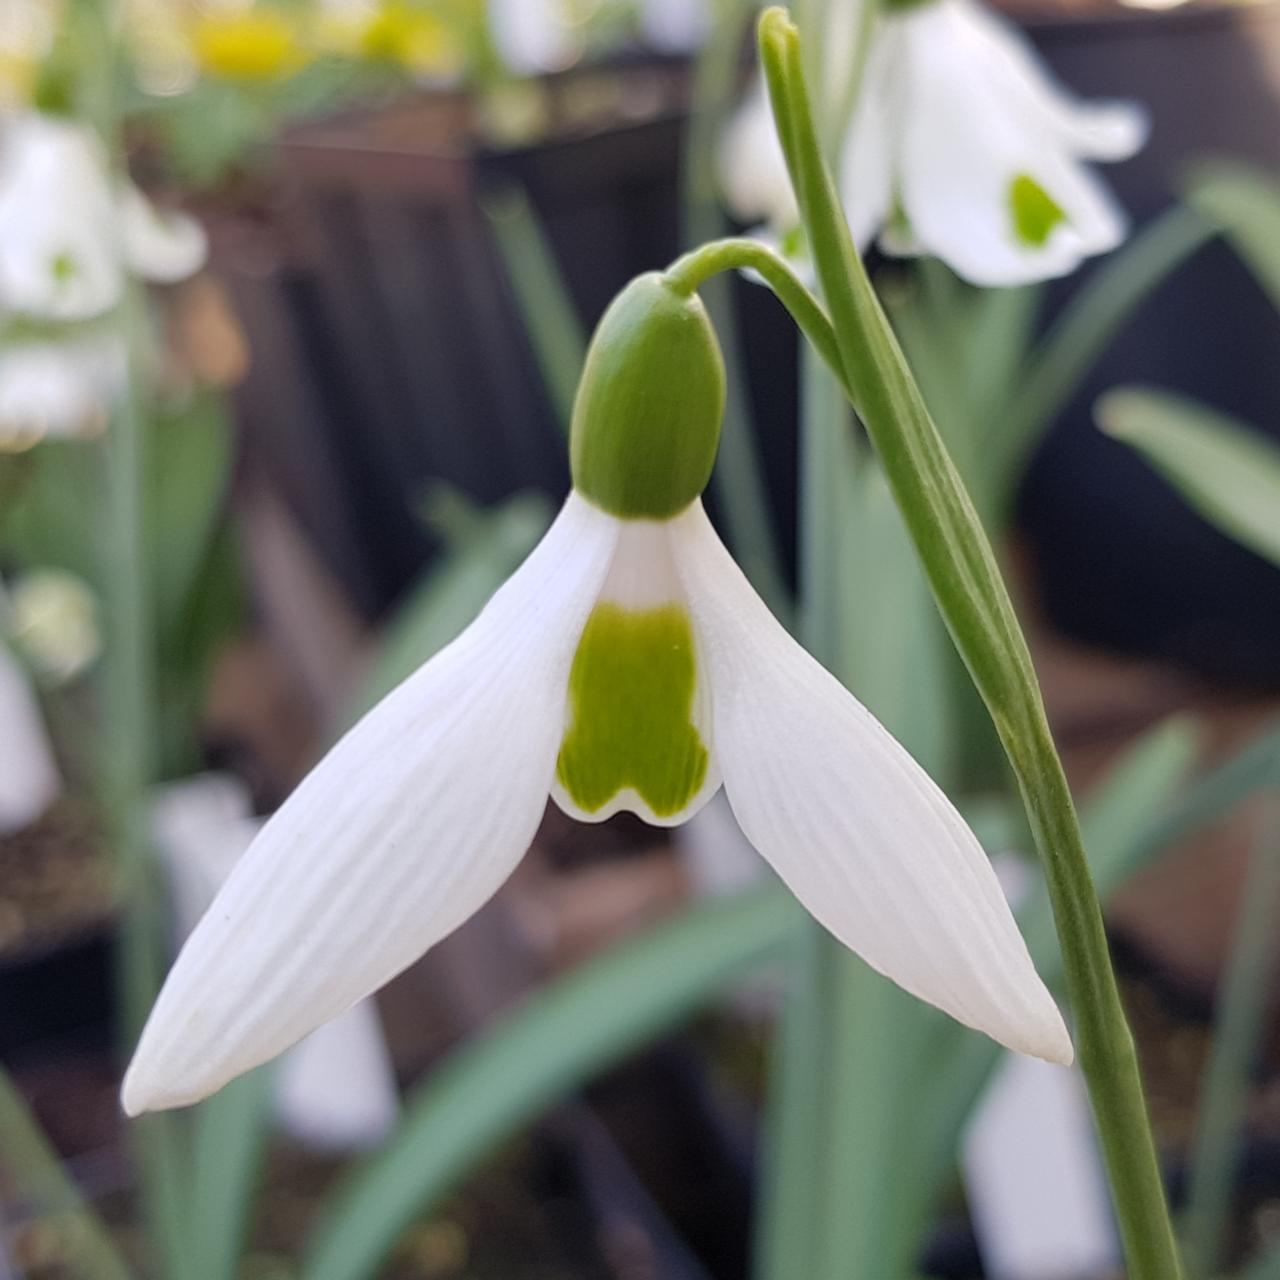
403 830
28 775
854 826
160 247
1093 130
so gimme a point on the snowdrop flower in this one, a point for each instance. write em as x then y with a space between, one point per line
28 776
67 235
336 1090
52 388
627 664
54 621
961 146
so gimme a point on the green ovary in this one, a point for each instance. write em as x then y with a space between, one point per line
1035 211
630 696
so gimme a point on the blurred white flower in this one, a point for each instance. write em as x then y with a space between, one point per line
28 775
51 388
533 36
335 1090
961 146
54 620
67 235
675 26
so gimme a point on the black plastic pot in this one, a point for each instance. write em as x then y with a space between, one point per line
389 349
1122 562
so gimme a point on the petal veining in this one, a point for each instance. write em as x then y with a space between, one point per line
856 828
403 830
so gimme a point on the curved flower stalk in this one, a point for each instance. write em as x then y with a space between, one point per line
960 145
29 781
69 233
627 664
335 1090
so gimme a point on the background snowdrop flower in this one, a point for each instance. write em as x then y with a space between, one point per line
67 235
54 388
961 146
54 620
336 1089
29 780
627 664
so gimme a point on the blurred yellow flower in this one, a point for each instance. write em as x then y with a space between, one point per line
249 46
411 38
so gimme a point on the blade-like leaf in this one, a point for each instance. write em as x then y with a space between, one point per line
1244 203
551 323
230 1140
1228 472
34 1171
559 1039
1096 312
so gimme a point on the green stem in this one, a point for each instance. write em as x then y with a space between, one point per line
37 1175
695 269
737 484
971 595
1235 1044
128 763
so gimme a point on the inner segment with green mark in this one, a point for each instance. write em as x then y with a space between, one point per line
631 697
1035 212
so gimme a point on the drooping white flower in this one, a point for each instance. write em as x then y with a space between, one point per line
29 780
53 388
68 234
961 146
628 664
336 1089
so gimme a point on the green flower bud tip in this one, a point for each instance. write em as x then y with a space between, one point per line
646 421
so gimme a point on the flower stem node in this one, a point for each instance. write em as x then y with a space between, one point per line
646 422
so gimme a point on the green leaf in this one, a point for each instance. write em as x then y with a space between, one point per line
550 321
188 458
565 1034
1097 310
231 1131
32 1169
1227 471
1244 203
486 548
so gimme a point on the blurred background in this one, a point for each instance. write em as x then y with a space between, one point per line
374 238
